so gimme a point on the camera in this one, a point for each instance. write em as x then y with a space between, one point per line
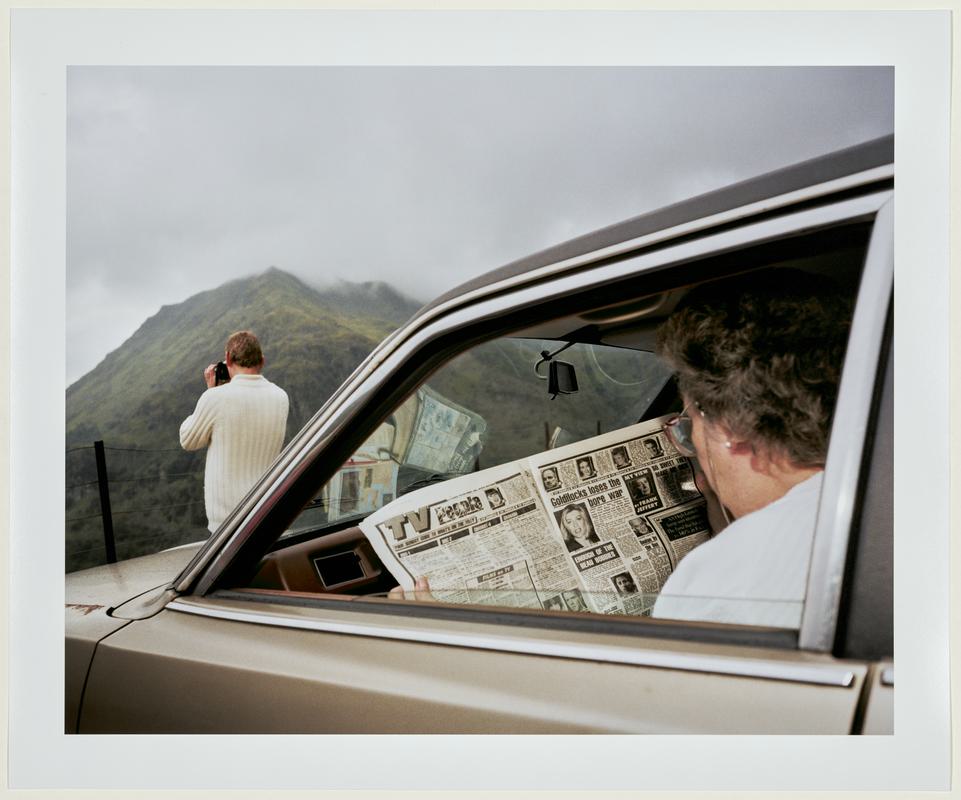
220 374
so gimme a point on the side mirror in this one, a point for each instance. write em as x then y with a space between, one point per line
561 378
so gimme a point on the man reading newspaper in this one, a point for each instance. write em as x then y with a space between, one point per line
758 361
543 530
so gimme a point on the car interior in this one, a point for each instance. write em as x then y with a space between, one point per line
323 552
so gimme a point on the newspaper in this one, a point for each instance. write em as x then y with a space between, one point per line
597 525
428 432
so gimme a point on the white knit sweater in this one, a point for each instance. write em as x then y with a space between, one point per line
242 426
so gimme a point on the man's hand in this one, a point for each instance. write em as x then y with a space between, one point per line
421 591
210 376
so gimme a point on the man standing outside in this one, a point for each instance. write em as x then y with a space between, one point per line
241 423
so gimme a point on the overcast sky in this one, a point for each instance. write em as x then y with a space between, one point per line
180 179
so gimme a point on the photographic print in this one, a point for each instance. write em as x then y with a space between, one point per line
306 274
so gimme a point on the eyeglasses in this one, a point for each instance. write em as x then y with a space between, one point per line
680 429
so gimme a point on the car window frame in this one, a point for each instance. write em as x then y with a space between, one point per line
496 313
850 436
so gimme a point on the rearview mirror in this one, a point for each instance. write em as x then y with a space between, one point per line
561 378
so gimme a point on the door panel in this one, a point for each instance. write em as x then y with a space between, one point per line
198 674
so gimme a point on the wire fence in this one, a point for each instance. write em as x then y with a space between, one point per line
123 502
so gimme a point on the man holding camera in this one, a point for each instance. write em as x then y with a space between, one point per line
241 420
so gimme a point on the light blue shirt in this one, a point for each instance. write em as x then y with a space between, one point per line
755 571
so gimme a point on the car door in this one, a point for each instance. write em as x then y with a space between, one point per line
218 653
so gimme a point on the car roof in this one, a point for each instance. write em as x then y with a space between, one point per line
834 165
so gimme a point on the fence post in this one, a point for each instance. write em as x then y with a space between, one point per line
108 541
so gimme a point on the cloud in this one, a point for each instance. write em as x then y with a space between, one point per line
181 178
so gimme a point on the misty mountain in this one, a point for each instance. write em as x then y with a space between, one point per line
136 398
312 340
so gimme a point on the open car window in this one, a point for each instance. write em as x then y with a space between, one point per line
489 408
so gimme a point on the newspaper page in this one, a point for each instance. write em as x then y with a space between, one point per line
366 481
446 437
597 525
428 432
626 508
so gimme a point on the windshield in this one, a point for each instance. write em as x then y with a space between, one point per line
487 407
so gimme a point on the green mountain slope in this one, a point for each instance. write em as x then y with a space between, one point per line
312 340
136 398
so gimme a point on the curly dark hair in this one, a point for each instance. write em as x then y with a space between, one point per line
762 353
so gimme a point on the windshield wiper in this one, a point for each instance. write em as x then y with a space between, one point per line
436 477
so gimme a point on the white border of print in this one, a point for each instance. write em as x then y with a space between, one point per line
44 42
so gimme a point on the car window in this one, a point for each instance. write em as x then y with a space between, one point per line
487 407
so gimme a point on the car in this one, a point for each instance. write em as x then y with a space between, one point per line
282 621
